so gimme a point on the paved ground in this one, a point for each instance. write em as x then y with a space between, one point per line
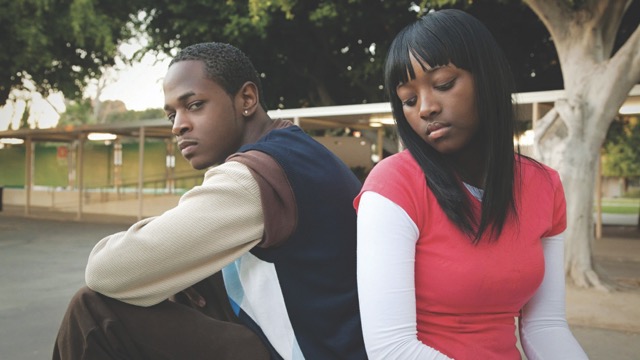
607 325
42 264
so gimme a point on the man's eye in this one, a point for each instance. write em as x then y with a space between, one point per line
195 105
171 118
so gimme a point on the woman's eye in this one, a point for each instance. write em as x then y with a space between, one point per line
446 86
409 102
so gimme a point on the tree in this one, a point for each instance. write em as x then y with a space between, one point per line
622 149
59 45
310 53
28 109
133 115
331 52
78 112
596 82
314 53
304 47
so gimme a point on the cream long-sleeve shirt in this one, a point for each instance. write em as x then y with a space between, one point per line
212 225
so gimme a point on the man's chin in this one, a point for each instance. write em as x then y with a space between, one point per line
197 166
201 165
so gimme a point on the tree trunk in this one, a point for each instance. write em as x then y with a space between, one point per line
574 154
570 136
578 178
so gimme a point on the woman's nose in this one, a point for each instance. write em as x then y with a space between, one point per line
429 107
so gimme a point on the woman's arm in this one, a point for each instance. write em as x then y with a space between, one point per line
386 288
544 331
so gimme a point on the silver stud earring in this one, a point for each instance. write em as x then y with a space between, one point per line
246 112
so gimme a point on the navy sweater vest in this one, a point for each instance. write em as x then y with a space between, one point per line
316 266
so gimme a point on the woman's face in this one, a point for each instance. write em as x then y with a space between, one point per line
439 105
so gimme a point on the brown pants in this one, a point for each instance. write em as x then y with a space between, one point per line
98 327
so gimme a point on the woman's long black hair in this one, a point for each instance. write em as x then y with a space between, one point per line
453 36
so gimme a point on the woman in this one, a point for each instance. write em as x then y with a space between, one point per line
458 236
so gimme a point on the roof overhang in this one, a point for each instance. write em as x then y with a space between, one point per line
359 116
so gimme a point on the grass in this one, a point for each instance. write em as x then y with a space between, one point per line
626 206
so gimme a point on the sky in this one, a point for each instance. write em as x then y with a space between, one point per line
139 86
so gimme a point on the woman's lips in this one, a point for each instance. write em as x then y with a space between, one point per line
436 130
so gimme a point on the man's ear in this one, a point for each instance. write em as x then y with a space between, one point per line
248 98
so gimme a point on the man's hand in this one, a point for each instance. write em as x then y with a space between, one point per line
209 297
189 296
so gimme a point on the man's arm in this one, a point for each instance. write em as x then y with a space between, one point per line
212 225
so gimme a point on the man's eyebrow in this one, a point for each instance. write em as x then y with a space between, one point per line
182 98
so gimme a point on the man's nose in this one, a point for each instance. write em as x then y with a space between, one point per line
180 125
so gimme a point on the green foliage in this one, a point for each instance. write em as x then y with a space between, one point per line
77 112
310 53
330 52
24 119
59 45
132 115
622 148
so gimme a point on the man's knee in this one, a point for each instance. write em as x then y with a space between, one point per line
84 293
83 298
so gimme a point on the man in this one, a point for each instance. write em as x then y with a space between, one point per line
275 215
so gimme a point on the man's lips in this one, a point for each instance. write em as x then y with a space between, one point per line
186 145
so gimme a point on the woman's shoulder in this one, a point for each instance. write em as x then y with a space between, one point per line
401 161
532 170
399 169
400 179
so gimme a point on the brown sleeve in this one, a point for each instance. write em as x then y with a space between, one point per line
278 201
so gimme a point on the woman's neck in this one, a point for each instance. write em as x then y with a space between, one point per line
470 165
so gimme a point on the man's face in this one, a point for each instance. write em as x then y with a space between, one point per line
207 122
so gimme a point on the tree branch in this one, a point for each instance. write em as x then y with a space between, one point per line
544 123
55 108
619 75
627 58
608 17
551 13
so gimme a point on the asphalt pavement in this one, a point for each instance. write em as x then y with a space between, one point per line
42 264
